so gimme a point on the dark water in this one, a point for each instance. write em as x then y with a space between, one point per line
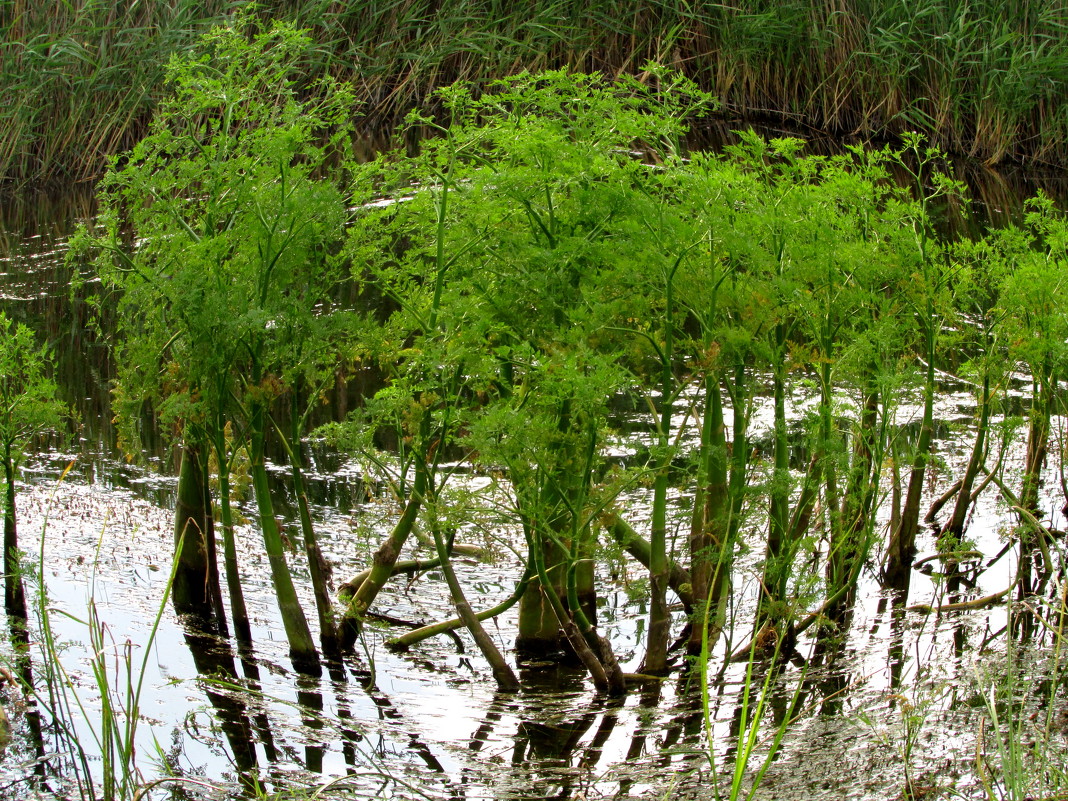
898 705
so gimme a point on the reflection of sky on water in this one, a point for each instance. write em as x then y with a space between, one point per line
434 709
434 700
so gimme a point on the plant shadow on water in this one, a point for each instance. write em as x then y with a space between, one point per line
786 694
897 702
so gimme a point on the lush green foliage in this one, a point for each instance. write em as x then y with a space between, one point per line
28 409
548 255
232 228
220 230
28 404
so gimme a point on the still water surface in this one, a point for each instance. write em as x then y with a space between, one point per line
898 702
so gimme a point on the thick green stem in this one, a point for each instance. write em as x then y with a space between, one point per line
776 571
655 662
539 627
955 526
710 553
588 658
634 544
302 649
191 589
806 502
238 609
15 605
502 671
853 521
739 457
828 443
598 644
555 497
1037 444
318 568
214 587
385 558
902 548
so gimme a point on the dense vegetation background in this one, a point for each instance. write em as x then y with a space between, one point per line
572 336
985 79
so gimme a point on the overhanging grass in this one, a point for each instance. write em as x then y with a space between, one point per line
985 79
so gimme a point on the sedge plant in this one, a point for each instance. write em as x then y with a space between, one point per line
96 734
983 79
756 698
1019 752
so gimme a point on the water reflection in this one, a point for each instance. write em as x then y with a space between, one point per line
214 663
370 719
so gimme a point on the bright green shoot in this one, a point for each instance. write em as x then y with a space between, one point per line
28 409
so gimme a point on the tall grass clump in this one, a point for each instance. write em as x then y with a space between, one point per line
982 79
79 79
93 731
763 690
1020 750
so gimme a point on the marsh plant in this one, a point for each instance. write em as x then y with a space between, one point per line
29 409
1020 750
225 300
535 255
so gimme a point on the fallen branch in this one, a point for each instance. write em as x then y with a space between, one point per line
407 567
941 501
636 546
965 606
406 641
956 556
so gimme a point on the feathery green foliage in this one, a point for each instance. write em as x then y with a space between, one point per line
28 408
220 230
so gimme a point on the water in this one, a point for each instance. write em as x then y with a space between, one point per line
899 706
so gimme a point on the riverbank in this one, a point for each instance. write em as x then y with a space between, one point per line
984 79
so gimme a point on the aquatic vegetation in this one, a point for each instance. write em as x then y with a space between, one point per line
237 227
86 741
29 409
560 332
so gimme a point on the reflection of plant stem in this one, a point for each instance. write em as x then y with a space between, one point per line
118 685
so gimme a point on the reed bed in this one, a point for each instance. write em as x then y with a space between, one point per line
78 80
983 79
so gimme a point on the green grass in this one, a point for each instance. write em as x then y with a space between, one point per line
985 79
92 732
80 79
1020 752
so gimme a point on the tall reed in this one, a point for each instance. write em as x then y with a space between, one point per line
95 734
985 79
80 79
